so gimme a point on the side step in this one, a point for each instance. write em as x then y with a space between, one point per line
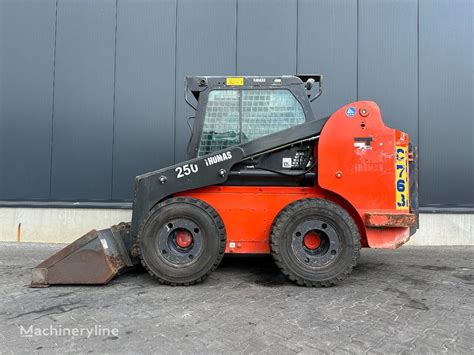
95 258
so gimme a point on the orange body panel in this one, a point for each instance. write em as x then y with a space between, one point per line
365 175
357 157
248 211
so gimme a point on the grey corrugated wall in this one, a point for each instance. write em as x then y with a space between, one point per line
91 91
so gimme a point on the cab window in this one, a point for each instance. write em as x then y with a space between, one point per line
238 116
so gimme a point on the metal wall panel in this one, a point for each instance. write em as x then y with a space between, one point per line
388 60
206 45
144 90
83 100
26 95
266 37
107 91
446 103
327 44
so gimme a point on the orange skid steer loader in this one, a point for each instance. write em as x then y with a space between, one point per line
263 176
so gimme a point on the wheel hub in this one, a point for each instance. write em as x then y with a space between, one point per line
183 238
180 241
312 240
315 243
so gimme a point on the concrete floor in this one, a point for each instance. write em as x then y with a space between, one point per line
413 300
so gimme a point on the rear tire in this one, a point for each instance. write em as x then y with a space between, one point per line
182 241
315 242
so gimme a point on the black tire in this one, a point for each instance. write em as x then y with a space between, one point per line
164 258
333 258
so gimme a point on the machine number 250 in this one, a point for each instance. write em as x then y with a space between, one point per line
401 178
185 170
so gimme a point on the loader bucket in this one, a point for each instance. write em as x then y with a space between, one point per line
95 258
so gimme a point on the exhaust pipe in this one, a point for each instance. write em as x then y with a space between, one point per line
94 259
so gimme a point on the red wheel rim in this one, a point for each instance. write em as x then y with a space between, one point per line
312 240
183 238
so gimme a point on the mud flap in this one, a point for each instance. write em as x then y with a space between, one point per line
95 258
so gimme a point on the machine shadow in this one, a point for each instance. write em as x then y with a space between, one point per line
257 269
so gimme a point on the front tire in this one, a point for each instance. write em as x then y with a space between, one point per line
315 242
182 241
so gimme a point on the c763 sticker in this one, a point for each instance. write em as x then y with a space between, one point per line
401 178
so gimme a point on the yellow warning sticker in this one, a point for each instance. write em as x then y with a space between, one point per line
401 178
234 81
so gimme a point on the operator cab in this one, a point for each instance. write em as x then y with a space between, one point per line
236 110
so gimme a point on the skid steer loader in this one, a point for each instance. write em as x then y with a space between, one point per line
263 176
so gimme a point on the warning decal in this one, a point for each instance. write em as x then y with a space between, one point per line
234 81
